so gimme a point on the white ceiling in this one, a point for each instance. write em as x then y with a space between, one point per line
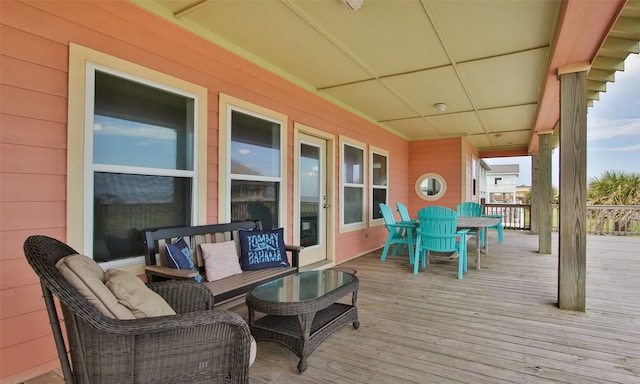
391 61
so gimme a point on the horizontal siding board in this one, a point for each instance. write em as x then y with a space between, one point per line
33 160
24 187
13 301
32 215
16 273
36 322
11 241
37 105
40 352
33 49
22 74
33 132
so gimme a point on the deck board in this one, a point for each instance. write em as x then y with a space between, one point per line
499 325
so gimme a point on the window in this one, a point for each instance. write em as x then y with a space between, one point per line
474 175
379 181
353 182
138 138
253 158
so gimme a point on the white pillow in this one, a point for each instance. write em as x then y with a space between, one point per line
135 295
220 259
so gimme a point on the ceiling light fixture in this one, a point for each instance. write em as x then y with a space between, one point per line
352 5
498 136
441 107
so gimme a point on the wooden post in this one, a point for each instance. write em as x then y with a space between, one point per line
545 212
535 195
572 249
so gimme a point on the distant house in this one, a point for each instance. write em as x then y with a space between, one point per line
502 183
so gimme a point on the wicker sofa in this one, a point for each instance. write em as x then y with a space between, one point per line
196 345
224 289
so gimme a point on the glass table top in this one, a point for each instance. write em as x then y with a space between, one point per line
302 286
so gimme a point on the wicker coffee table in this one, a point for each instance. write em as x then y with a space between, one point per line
302 309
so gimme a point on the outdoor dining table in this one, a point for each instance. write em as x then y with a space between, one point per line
475 223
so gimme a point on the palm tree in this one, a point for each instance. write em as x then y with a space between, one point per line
615 188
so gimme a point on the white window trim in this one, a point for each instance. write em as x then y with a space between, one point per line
365 176
378 151
79 145
227 104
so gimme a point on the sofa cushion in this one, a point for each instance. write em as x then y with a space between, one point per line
253 351
263 249
135 295
86 276
179 256
220 260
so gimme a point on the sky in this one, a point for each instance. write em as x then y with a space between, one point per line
613 130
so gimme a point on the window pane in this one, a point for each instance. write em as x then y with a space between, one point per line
255 146
379 169
379 196
255 200
353 198
310 196
352 164
139 125
126 204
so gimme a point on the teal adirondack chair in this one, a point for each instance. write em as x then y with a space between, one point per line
403 211
438 232
397 234
498 227
474 209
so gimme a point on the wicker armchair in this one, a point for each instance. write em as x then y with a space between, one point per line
197 345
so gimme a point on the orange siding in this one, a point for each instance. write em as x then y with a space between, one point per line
442 156
33 116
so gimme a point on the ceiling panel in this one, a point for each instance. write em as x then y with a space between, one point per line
383 46
425 88
480 29
417 128
373 99
505 80
465 123
274 32
516 118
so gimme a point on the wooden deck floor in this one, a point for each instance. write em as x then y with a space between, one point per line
498 325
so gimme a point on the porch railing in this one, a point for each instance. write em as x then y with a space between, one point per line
514 216
618 220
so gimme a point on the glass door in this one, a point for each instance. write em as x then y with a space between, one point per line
312 187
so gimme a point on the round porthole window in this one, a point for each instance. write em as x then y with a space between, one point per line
431 186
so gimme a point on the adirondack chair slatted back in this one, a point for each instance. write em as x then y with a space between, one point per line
438 229
438 232
397 235
469 208
403 211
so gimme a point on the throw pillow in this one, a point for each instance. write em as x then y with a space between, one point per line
263 249
220 259
87 277
135 295
179 256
